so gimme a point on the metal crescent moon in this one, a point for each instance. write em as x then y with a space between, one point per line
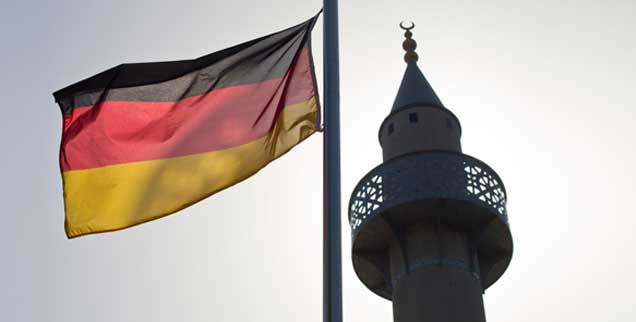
407 28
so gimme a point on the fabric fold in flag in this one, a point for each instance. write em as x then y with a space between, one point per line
142 141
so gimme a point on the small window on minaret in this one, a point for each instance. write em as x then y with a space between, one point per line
413 117
391 129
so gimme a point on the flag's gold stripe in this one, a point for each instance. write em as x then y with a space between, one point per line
123 195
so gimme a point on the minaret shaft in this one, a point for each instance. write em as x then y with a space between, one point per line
438 294
434 271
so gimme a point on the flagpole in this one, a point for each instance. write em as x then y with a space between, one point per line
332 249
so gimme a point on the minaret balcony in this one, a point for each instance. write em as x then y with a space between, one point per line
427 186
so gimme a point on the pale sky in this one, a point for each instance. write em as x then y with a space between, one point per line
545 92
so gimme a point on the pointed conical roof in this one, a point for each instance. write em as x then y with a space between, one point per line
415 89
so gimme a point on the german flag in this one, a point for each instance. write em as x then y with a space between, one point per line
142 141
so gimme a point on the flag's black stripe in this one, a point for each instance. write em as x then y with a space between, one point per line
252 62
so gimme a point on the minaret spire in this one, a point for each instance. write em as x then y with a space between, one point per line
414 89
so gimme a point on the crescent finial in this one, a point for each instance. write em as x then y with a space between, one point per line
407 28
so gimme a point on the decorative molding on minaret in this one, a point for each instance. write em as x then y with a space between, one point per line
409 44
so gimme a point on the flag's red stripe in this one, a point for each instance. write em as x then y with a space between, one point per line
115 132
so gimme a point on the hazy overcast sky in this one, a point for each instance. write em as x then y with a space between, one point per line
545 92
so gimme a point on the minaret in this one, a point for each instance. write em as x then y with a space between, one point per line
429 225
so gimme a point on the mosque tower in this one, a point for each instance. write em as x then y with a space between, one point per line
429 225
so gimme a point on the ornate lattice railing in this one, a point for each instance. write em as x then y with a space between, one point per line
426 175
